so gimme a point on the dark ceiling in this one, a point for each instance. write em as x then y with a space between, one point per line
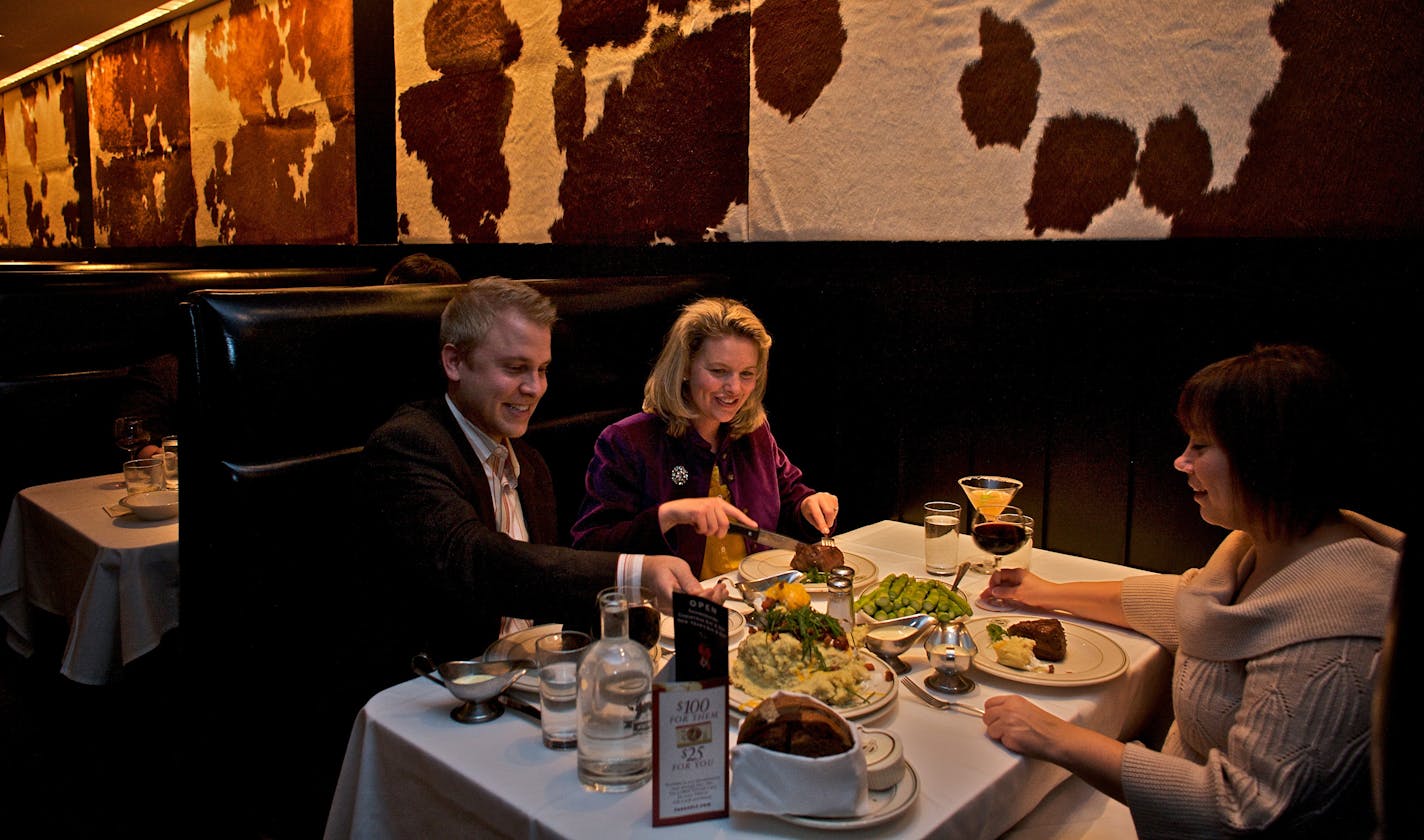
33 30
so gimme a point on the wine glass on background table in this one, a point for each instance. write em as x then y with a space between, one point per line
988 494
1000 534
130 434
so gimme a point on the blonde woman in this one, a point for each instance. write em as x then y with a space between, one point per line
701 454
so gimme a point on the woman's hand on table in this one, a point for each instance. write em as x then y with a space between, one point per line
1023 727
667 574
707 515
1028 730
821 510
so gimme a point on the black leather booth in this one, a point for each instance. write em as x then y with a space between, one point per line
281 606
68 338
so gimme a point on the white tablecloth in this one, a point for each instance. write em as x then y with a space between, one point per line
410 771
114 578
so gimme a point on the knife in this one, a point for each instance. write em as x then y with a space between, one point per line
764 537
527 709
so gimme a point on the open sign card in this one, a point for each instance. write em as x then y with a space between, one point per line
690 741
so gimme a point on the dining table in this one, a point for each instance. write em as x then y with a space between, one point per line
72 549
411 771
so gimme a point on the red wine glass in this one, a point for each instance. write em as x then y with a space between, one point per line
1000 534
130 434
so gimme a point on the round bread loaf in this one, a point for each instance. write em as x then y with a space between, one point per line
796 725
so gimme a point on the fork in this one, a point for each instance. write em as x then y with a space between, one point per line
937 702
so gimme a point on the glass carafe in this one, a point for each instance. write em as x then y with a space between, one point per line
615 705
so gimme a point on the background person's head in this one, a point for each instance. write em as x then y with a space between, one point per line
1281 416
422 268
670 391
496 337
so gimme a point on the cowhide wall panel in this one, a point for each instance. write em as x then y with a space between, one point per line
272 95
672 121
1096 118
140 140
41 155
233 125
621 121
589 122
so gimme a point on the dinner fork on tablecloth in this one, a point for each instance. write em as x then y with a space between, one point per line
939 703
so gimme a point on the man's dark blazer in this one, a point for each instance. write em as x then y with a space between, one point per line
435 523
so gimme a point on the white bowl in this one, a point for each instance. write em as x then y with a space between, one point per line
159 504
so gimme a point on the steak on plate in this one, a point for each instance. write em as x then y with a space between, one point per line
818 558
1050 643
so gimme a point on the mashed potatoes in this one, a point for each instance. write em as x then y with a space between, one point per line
1015 652
765 665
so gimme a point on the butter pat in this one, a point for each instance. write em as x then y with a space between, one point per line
884 759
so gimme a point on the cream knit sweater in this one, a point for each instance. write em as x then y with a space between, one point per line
1271 696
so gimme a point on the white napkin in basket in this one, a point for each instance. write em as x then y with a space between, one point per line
769 782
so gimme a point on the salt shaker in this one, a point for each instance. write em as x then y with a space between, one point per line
840 604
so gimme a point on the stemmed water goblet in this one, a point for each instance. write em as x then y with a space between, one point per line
988 494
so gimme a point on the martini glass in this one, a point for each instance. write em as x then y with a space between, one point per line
989 494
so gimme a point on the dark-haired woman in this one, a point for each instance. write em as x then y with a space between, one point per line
1276 638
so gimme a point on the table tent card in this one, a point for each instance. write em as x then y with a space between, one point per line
690 717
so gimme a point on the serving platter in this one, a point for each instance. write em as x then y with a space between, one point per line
1091 658
885 805
520 645
776 560
879 693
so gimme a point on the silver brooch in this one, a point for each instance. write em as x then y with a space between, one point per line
679 475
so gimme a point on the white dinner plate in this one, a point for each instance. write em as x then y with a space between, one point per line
736 629
885 805
879 692
520 645
1091 658
776 560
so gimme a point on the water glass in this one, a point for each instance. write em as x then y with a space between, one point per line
170 461
143 475
942 537
558 655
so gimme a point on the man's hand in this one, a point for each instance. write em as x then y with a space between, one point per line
666 574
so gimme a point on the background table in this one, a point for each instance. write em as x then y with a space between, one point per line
410 771
114 578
